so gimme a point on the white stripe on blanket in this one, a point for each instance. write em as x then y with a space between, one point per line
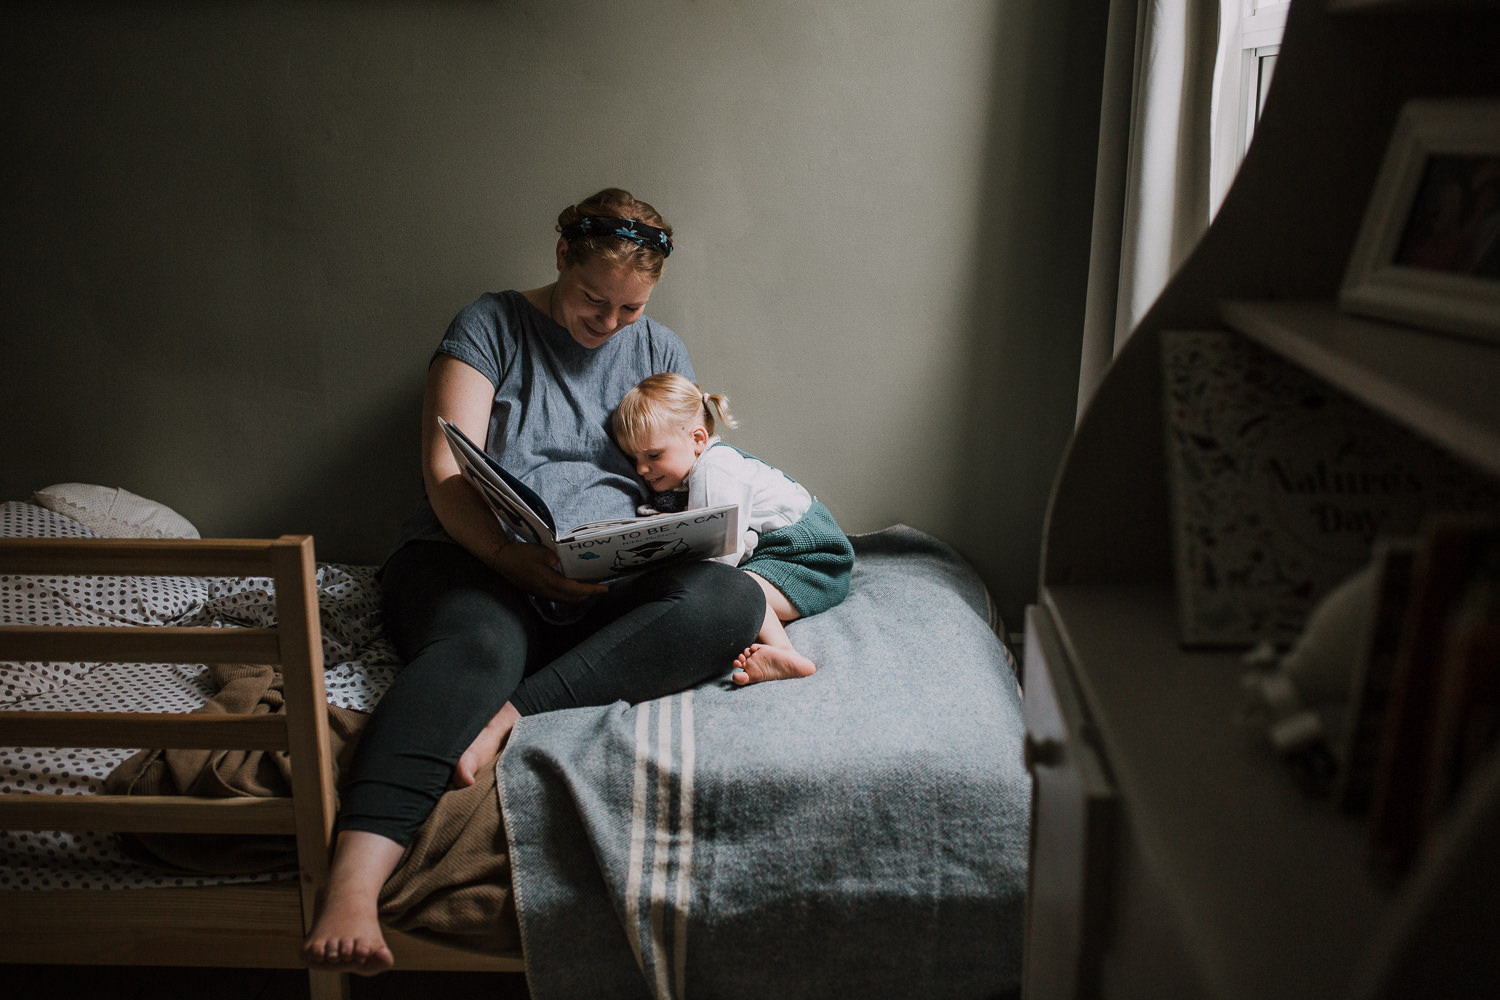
685 849
637 836
668 844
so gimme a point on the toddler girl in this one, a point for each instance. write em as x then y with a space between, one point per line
789 542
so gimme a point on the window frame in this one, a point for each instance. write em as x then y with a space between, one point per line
1250 33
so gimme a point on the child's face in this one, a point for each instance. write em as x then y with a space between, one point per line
663 458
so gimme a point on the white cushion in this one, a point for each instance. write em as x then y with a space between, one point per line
113 512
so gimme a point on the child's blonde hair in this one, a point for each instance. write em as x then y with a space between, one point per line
666 402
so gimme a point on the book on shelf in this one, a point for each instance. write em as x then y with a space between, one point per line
598 550
1468 707
1280 485
1370 691
1443 711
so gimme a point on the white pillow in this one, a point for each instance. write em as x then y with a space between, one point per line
113 512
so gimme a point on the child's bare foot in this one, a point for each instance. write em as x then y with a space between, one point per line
486 746
770 663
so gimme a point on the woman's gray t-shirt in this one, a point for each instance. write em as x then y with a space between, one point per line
549 424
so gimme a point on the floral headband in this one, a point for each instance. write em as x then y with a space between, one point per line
638 233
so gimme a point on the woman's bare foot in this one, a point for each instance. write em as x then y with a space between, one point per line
346 935
770 663
486 746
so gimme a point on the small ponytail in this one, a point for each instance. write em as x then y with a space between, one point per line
716 405
666 400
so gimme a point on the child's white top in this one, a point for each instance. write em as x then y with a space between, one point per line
767 497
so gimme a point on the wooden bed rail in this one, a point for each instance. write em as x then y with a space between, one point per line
145 557
259 925
147 814
295 644
166 730
140 644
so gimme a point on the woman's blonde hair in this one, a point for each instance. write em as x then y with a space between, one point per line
614 202
667 402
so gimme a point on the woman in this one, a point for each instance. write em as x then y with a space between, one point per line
489 630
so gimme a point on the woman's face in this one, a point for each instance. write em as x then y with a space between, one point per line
594 299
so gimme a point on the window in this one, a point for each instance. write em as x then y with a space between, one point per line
1249 39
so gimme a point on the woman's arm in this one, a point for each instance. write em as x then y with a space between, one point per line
461 394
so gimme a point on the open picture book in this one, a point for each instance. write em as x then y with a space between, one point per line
598 550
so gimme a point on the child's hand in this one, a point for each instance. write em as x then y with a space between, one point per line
533 568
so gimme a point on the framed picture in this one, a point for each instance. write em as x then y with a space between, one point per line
1428 253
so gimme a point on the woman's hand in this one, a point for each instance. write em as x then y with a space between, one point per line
456 391
533 568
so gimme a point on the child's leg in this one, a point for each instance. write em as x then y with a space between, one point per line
774 657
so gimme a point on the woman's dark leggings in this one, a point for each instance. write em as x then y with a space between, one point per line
472 642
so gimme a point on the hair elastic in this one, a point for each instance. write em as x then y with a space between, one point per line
636 232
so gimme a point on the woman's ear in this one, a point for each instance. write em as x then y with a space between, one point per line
562 249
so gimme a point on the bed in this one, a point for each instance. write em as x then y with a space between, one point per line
859 832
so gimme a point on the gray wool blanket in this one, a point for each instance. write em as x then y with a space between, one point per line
858 833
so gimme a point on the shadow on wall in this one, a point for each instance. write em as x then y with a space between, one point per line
350 494
1031 272
211 299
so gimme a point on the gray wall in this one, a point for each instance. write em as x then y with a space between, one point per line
234 233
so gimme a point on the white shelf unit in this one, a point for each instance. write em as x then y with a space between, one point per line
1443 387
1204 871
1217 846
1173 854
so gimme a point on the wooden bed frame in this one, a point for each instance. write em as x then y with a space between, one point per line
237 926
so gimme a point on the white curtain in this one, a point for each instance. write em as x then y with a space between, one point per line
1151 197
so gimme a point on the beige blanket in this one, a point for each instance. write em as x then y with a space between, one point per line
453 883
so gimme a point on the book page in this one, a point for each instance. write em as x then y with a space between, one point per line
498 488
643 543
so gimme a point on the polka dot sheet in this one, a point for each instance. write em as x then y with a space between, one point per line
359 666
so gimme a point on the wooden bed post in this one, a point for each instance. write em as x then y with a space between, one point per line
314 799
